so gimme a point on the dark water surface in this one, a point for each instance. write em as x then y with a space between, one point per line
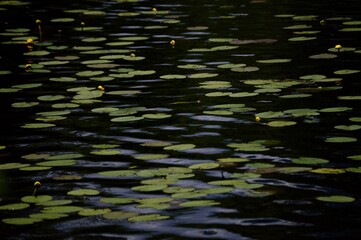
287 131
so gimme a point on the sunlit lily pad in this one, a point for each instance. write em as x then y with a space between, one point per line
301 39
277 60
55 203
94 212
281 123
51 97
38 125
116 215
157 115
84 192
248 147
323 56
149 188
355 157
346 71
24 104
126 119
37 199
8 166
173 76
328 171
192 66
336 199
21 221
64 156
348 127
180 147
203 75
309 160
117 200
89 73
340 139
106 152
204 166
15 206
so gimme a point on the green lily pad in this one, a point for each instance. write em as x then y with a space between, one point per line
38 125
192 66
51 97
149 188
336 199
245 69
248 147
355 157
270 114
126 119
148 217
323 56
15 206
348 127
204 166
64 156
277 60
309 160
180 147
327 171
106 152
281 123
37 53
346 71
354 169
93 212
21 221
203 75
173 76
301 39
89 73
8 166
340 139
36 199
349 98
24 104
35 168
117 215
57 163
84 192
157 116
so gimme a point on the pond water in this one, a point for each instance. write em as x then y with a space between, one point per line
133 119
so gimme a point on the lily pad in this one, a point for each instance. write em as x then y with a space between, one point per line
38 125
336 199
94 212
15 206
116 215
21 221
340 139
180 147
84 192
204 166
37 199
309 160
199 203
106 152
281 123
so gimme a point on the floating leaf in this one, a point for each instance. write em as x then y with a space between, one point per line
277 60
180 147
119 215
323 56
355 157
21 221
24 104
203 75
301 39
346 71
117 200
150 156
89 73
106 152
83 192
8 166
14 206
51 97
93 212
309 160
336 199
149 188
340 139
38 125
126 119
47 216
61 209
57 163
281 123
157 116
328 171
204 166
37 199
348 127
55 203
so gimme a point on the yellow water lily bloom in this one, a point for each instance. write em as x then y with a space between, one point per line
101 88
258 119
172 42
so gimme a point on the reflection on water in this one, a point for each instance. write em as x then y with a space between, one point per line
233 130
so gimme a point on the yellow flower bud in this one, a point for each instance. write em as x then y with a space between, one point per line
154 9
29 41
37 184
38 21
101 88
172 42
132 55
258 119
338 46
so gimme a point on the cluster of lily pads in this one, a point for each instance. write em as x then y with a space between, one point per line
110 66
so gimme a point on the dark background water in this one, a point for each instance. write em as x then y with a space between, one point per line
289 209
